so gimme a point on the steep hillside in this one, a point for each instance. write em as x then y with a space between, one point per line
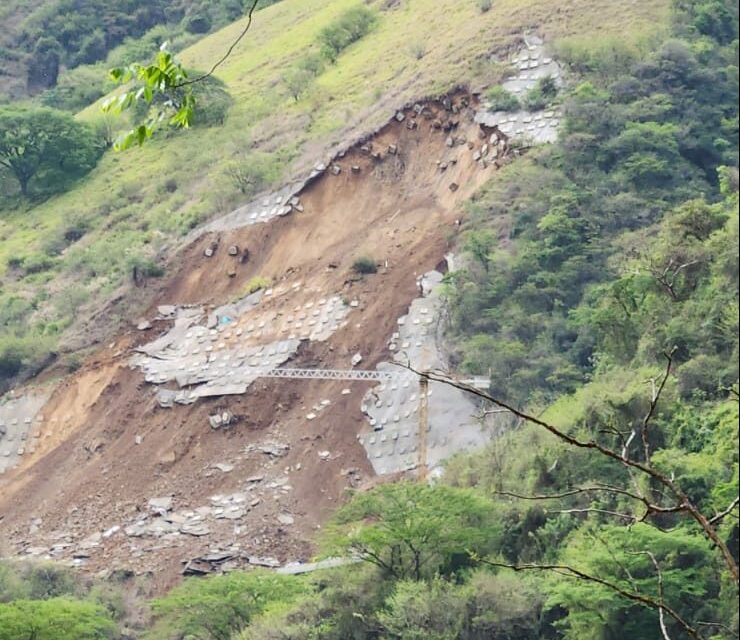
427 329
60 259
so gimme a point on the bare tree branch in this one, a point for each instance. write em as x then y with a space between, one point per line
571 572
625 516
654 397
661 614
722 514
221 60
644 467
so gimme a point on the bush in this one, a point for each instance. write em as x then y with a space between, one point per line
255 284
77 89
55 619
364 265
352 25
253 173
484 5
541 94
219 606
502 100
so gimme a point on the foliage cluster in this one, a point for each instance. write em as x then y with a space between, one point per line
69 33
352 25
616 198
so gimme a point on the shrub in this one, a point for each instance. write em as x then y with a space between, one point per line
77 89
484 5
253 173
364 265
541 94
502 100
418 50
219 606
255 284
352 25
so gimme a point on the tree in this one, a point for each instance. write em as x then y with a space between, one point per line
54 619
216 607
413 530
46 146
166 80
648 490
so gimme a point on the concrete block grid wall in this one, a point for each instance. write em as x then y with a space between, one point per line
392 408
21 425
531 64
237 342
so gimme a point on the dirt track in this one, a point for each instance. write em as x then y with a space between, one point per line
111 447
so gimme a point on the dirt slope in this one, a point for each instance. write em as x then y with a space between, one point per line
108 447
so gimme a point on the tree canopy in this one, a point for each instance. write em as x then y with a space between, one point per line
44 149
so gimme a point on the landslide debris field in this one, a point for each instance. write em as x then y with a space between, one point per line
168 444
179 447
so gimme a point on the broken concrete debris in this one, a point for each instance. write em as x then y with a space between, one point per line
274 449
222 419
285 518
160 505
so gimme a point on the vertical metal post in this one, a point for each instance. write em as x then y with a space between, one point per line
423 426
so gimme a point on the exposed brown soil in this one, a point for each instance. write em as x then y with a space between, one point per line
89 472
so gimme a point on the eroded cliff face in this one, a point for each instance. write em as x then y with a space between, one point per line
170 444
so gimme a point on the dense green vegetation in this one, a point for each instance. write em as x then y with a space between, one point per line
643 134
62 256
64 34
587 263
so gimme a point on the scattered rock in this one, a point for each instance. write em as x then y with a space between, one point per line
93 540
346 392
233 250
167 310
231 273
400 117
274 449
336 169
324 455
310 416
195 529
254 479
450 142
453 186
355 169
271 563
160 505
285 518
392 149
356 359
224 467
109 532
144 325
138 439
219 420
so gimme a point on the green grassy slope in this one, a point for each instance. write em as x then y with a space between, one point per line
136 203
